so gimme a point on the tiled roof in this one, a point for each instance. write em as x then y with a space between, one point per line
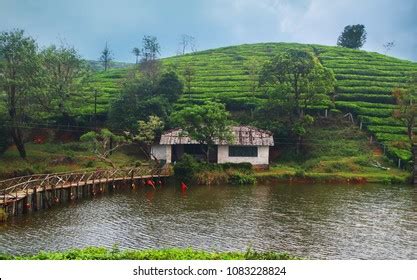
243 135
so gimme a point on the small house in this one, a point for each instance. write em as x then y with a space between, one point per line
250 144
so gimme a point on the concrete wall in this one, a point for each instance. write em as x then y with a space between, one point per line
162 152
261 159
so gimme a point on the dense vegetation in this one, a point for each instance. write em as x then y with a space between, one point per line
364 84
97 253
119 97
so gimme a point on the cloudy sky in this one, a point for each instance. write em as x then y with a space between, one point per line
88 24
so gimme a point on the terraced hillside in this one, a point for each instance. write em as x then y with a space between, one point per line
364 83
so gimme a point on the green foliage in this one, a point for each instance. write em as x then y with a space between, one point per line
169 86
98 253
147 131
63 73
19 78
103 143
205 123
141 99
186 168
239 178
353 37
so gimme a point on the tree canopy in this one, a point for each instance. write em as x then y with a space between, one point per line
64 72
206 123
293 82
19 73
141 98
353 37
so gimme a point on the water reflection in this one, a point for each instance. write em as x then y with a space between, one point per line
331 222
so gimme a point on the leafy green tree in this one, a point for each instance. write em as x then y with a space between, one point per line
298 79
147 133
206 124
19 79
106 57
169 86
103 143
64 73
141 99
406 110
353 37
293 81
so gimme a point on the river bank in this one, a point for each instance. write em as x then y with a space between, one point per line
100 253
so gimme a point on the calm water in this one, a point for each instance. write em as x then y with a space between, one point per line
326 222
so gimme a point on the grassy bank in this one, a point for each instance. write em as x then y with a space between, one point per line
58 157
98 253
335 151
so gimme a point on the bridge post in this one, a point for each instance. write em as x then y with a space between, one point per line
415 163
132 179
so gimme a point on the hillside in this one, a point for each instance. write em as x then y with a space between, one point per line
364 83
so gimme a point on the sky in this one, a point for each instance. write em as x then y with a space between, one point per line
89 24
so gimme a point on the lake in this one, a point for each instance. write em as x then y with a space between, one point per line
313 221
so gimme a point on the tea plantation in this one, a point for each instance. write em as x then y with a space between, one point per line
365 81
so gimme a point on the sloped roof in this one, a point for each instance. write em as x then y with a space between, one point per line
244 136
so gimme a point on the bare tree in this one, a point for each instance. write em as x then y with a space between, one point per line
187 42
388 46
106 57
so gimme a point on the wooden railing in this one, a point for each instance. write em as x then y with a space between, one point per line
11 188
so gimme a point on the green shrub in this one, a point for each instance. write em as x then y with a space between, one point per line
211 177
244 166
89 164
239 178
186 168
300 173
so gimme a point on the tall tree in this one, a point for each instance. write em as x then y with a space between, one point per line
353 37
187 43
106 57
64 73
406 110
294 81
136 52
19 72
149 63
205 124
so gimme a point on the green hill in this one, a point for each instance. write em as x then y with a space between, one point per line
365 81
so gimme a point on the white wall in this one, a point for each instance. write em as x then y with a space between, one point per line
262 158
162 152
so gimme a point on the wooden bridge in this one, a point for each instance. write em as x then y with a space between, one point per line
41 191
